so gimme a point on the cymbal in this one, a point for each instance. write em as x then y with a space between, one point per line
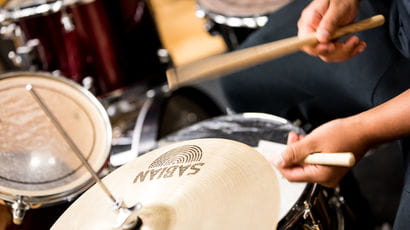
196 184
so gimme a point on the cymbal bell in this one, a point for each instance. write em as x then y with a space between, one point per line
195 184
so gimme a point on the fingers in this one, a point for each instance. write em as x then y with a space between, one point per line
308 23
326 27
324 17
342 50
337 14
326 176
292 137
293 154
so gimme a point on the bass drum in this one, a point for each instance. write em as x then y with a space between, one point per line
303 205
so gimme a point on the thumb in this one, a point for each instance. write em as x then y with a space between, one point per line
327 27
292 155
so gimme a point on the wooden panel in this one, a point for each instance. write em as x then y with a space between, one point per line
182 33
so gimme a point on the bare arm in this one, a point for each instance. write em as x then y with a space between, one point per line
355 134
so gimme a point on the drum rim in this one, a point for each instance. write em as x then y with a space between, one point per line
26 11
248 21
73 188
227 14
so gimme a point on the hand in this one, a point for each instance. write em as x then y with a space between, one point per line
324 17
335 136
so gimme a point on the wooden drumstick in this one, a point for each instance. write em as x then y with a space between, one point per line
346 159
343 159
223 64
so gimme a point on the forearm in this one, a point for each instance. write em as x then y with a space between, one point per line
386 122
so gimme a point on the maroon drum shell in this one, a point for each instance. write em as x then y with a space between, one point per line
110 42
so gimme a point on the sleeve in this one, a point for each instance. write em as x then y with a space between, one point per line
400 26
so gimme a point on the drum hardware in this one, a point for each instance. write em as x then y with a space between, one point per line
338 202
145 138
21 58
22 55
127 218
164 56
248 22
307 214
19 208
67 22
226 63
88 83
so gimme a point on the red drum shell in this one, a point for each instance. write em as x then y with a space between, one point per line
114 42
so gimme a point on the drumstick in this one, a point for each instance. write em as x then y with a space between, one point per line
343 159
226 63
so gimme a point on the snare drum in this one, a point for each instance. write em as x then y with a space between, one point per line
100 44
235 20
37 165
302 205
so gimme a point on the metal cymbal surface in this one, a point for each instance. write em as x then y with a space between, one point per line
195 184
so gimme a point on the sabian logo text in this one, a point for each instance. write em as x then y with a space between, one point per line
183 160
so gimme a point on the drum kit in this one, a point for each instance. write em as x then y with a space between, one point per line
57 138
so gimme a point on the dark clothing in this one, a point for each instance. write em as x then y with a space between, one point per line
304 87
299 86
400 25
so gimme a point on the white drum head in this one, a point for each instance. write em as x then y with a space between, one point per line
199 184
35 160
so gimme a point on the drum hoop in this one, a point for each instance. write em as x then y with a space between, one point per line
41 9
252 21
73 188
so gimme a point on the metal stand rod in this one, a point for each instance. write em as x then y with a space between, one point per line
69 141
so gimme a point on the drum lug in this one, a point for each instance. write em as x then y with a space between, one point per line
21 56
67 22
19 210
164 56
308 214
